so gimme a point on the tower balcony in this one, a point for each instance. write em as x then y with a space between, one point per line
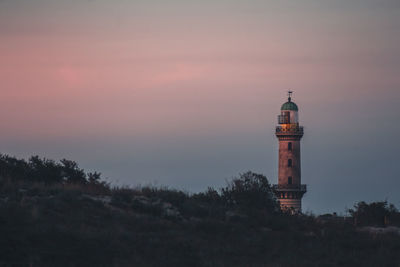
289 130
289 187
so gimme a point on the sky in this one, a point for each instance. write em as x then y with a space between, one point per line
186 93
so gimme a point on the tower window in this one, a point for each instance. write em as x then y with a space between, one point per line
287 116
289 163
290 146
289 180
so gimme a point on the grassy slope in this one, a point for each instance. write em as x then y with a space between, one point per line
72 226
91 224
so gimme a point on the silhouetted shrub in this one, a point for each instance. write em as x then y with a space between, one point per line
38 170
173 196
250 191
209 196
375 213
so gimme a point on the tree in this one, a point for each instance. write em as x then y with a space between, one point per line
94 177
44 170
250 191
375 213
72 173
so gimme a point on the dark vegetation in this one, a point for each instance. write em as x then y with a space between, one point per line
55 214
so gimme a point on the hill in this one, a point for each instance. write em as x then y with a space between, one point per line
55 214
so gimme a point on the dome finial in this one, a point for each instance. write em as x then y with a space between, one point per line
290 95
289 105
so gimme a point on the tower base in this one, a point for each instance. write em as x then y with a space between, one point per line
289 196
290 204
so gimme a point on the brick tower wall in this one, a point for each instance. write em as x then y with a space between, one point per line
284 155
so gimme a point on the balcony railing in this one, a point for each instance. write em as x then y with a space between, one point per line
291 187
292 129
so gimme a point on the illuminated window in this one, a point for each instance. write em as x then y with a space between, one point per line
290 146
289 163
289 180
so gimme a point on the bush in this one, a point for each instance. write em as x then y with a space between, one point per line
209 196
250 191
49 172
375 213
173 196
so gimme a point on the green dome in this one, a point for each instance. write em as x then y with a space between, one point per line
289 106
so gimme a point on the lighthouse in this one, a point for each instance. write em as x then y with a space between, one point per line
289 189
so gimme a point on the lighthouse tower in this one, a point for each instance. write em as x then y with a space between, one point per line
289 189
